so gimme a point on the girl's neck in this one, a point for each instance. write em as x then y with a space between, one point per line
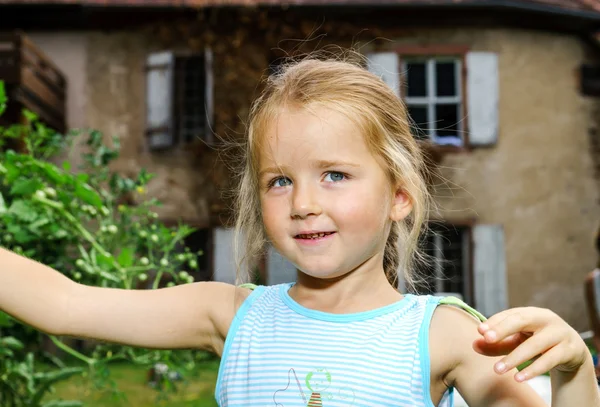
363 289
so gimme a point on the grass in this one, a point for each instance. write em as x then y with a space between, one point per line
196 391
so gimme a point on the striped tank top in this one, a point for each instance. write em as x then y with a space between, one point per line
281 354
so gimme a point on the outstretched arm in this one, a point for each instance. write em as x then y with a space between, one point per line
189 316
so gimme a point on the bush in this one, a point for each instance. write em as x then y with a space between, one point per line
79 222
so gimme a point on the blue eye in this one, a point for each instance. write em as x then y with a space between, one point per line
335 176
280 182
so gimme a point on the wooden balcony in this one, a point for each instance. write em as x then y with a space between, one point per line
32 82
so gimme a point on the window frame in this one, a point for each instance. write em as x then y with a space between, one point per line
468 273
432 53
177 141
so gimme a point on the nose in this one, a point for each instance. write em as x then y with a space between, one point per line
304 202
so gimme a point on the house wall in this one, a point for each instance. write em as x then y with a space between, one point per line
538 181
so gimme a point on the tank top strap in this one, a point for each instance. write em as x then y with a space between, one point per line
456 302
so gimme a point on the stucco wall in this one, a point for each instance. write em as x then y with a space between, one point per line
538 181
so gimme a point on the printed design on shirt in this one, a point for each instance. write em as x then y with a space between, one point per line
287 387
319 383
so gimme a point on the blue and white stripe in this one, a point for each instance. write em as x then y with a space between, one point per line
280 354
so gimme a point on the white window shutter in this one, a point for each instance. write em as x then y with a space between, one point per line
209 95
386 65
224 267
159 99
489 269
482 98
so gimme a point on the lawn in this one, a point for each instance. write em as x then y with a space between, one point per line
196 391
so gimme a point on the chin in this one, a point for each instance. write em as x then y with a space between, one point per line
322 273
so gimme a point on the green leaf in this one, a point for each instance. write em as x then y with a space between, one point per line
66 166
39 223
82 177
5 320
11 343
23 210
20 234
88 195
125 258
48 379
12 172
26 186
52 172
2 204
3 98
29 115
3 169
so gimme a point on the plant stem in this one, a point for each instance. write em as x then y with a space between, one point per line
71 351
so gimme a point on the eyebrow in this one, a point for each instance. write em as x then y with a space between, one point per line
320 164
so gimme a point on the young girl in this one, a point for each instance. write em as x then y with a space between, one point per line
333 180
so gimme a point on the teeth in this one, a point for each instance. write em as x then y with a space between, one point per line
313 236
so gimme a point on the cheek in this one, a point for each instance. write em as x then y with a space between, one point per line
362 210
271 215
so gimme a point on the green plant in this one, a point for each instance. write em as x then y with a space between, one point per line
79 223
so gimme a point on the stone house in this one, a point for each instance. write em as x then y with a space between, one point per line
505 90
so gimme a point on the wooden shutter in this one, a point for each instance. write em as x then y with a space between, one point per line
159 99
482 98
489 269
386 66
209 96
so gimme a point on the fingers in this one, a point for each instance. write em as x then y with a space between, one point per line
542 365
509 322
543 343
499 348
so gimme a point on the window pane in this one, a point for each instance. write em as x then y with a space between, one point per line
416 79
445 78
446 124
191 108
419 117
453 255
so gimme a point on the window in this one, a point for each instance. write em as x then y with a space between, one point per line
433 95
452 93
449 270
179 99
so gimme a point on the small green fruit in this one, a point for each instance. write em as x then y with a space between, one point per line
51 192
40 194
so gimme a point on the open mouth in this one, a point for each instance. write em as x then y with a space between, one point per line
313 236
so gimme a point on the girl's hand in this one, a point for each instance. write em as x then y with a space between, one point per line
524 334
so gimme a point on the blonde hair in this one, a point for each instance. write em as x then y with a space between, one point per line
353 91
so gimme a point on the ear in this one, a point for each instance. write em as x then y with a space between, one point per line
401 205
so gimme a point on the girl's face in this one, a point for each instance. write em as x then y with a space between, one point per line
326 202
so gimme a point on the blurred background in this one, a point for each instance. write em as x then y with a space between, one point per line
504 94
